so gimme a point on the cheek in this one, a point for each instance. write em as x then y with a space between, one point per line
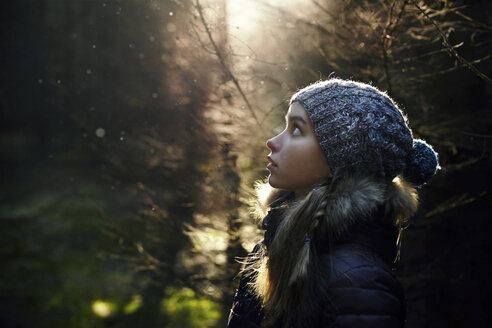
294 159
313 164
309 156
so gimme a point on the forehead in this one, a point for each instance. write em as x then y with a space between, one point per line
296 109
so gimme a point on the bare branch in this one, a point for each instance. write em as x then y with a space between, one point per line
451 69
454 203
316 3
475 23
451 49
225 67
430 53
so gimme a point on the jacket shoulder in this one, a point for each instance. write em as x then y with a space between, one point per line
361 289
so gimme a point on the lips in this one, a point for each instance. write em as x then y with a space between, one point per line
271 164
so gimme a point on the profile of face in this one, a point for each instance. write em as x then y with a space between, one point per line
297 162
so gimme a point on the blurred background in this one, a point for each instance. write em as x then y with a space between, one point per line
132 133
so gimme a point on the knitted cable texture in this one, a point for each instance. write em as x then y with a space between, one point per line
361 129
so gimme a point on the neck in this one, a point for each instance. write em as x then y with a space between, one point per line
301 193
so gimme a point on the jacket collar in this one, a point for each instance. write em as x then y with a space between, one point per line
273 218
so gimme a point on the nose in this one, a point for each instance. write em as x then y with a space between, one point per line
273 144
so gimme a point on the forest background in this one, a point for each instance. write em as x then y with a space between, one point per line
132 133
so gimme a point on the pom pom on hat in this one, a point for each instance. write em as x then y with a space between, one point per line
422 163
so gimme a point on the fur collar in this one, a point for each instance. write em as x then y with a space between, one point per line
354 200
357 199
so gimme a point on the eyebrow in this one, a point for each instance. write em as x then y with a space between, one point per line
295 118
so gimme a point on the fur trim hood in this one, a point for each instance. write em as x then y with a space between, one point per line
357 200
354 200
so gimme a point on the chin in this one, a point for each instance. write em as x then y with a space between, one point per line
271 182
275 184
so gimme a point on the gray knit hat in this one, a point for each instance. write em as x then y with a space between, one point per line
360 129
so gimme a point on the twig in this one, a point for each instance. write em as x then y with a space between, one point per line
475 23
223 63
323 9
454 203
430 53
384 37
451 49
454 68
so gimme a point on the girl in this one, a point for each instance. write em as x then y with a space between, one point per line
343 173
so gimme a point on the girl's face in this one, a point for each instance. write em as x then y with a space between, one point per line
297 162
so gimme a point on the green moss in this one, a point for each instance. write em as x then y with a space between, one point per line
187 309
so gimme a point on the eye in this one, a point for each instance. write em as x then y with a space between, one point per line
296 131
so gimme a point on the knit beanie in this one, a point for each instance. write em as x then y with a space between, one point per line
361 130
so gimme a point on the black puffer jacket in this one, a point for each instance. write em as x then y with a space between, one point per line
357 287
